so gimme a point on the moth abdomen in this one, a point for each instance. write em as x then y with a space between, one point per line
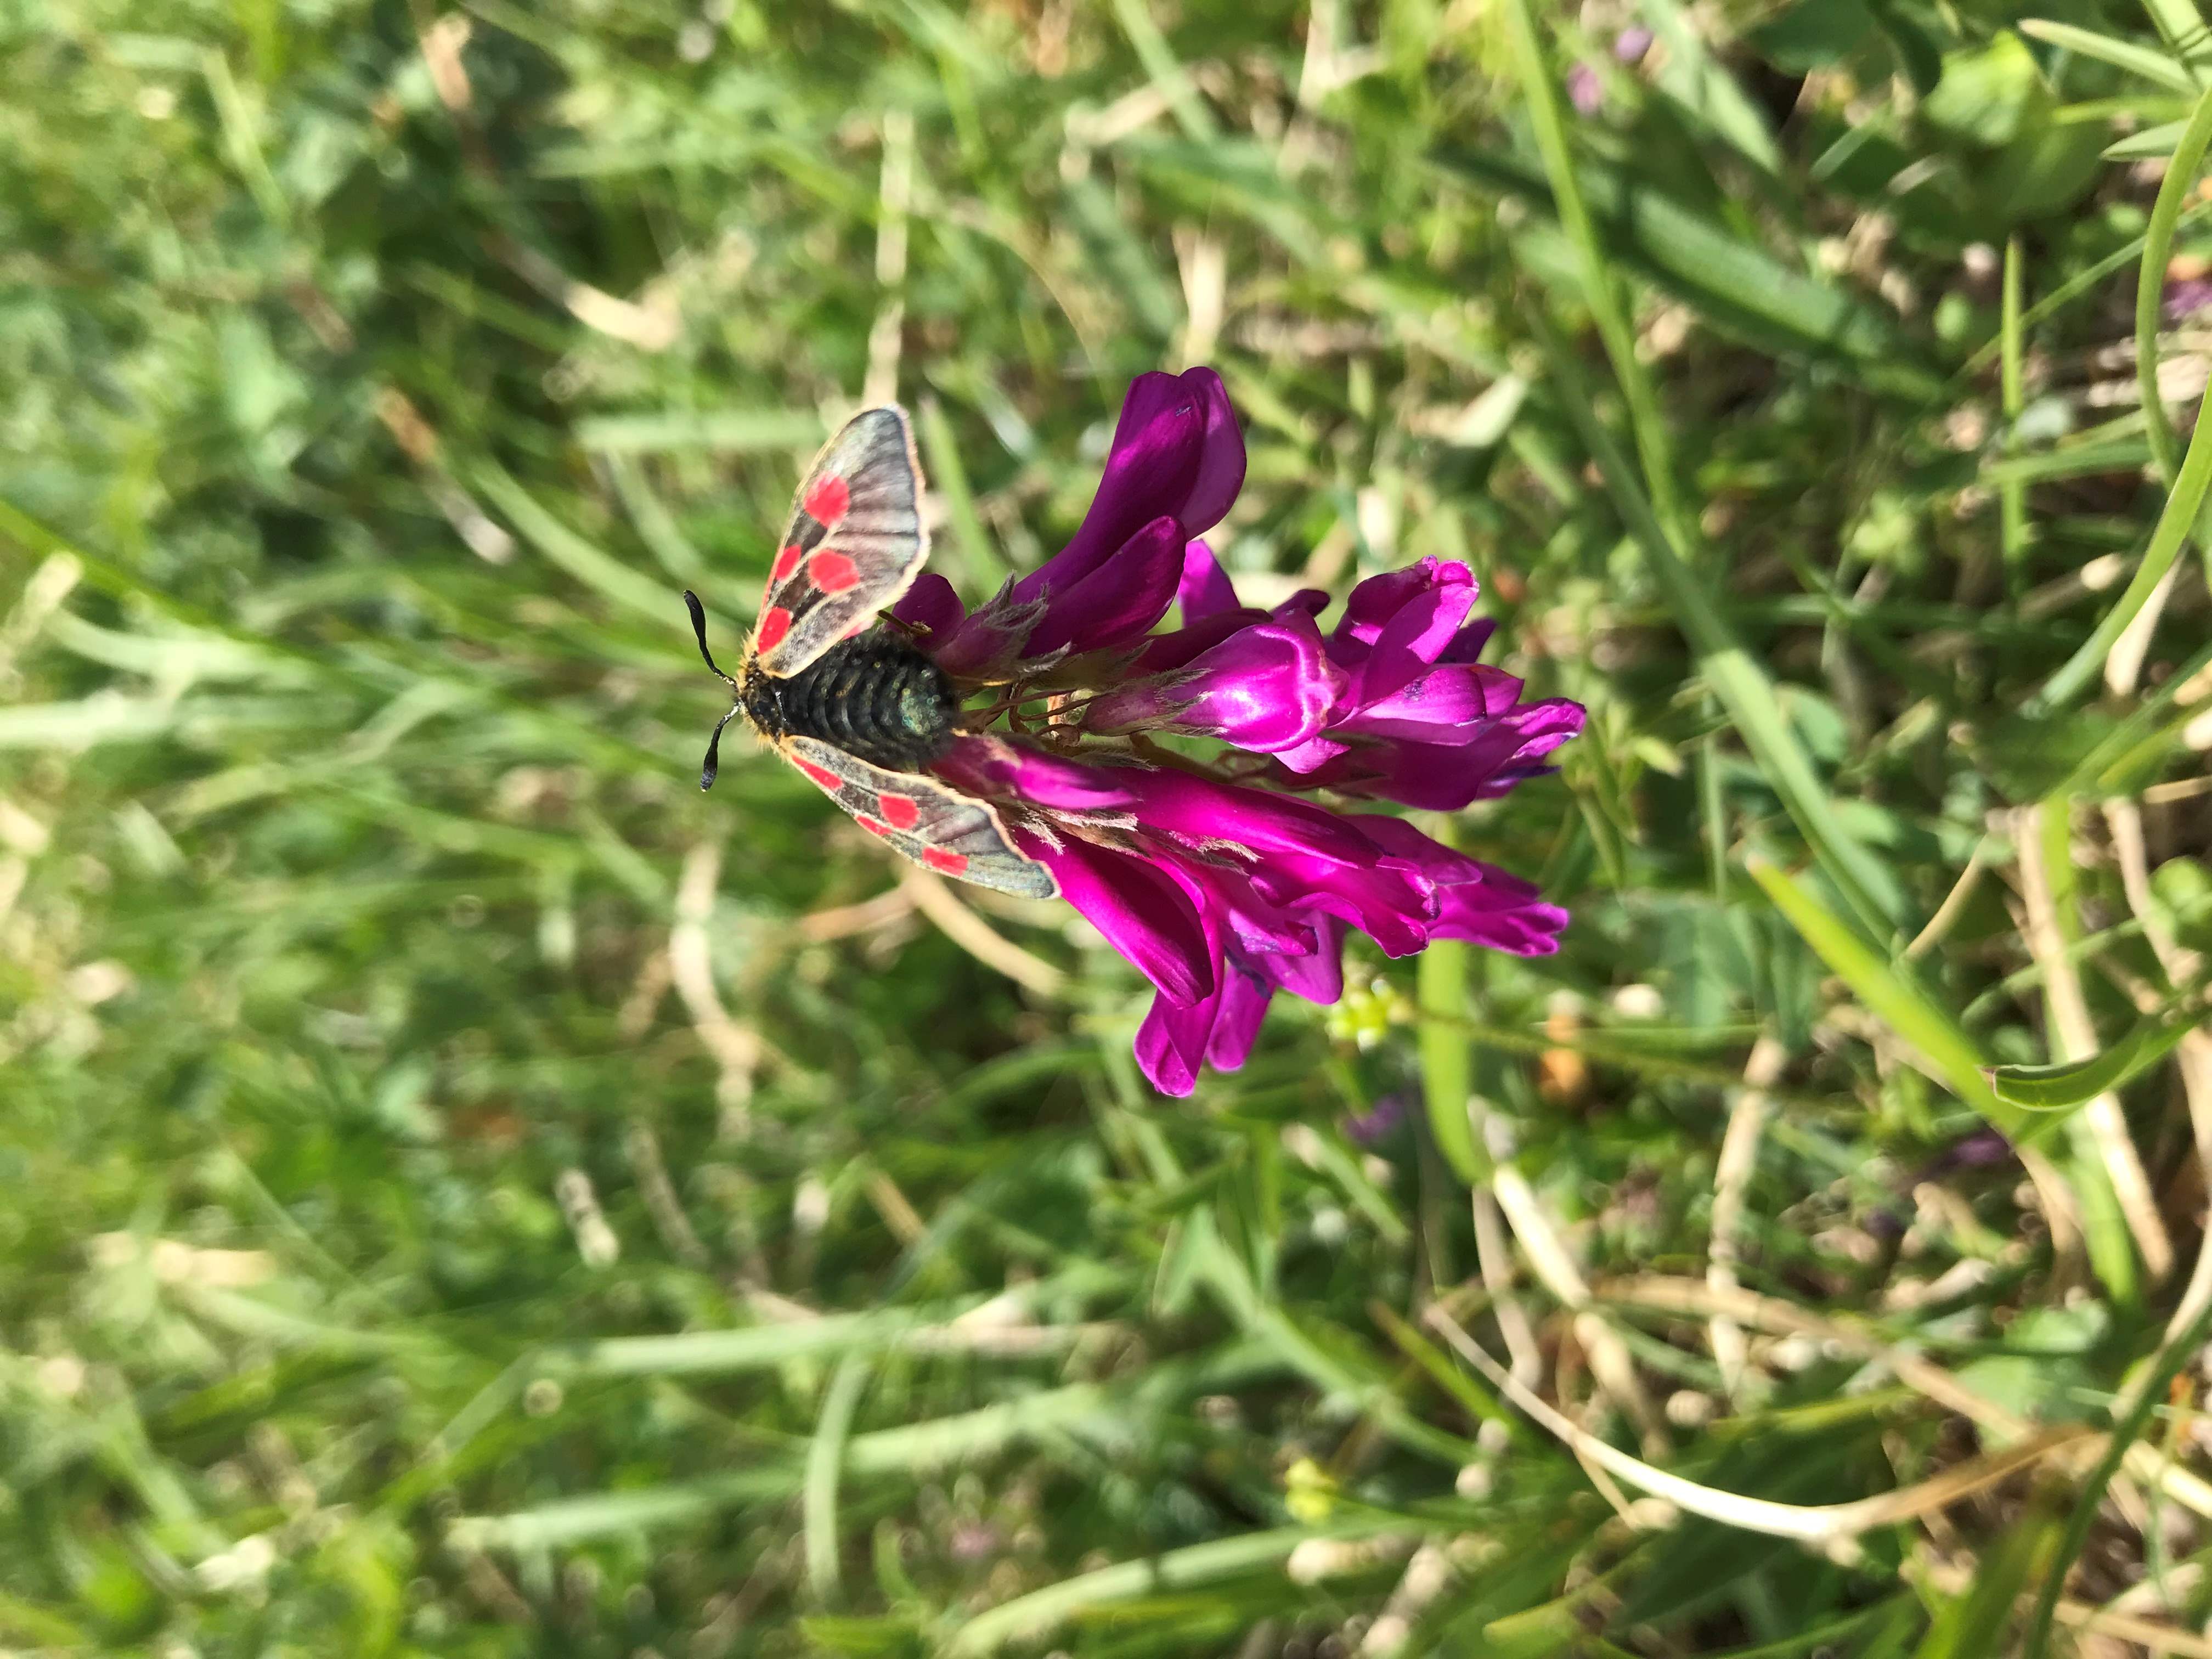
874 697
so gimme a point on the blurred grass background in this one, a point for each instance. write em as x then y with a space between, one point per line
465 1193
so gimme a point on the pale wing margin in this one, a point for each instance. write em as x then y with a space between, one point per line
873 539
964 835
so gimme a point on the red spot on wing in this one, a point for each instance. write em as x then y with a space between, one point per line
833 573
786 562
828 500
774 623
899 811
876 826
821 775
952 864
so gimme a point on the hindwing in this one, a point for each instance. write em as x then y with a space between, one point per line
936 826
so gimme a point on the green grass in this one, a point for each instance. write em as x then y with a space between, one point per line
467 1192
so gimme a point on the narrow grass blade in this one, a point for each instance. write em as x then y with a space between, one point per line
1978 1624
1662 527
656 526
578 1520
730 431
2067 1084
103 717
825 1454
1697 80
2082 460
2012 494
2153 66
2152 143
757 1347
940 453
1028 1617
239 122
1168 76
1600 292
913 1451
2174 190
2175 522
2163 1368
593 566
2180 24
1898 1001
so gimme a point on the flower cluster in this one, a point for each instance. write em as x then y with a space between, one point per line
1221 880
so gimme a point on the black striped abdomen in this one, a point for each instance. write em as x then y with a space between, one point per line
875 696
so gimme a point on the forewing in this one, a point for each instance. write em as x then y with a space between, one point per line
854 543
939 828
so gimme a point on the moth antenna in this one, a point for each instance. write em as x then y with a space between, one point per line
699 632
713 762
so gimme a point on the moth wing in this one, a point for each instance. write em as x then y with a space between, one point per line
854 543
936 826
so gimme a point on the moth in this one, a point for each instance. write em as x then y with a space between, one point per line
851 702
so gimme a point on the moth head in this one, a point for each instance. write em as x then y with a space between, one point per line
713 760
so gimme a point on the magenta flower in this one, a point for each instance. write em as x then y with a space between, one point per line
1221 892
1410 715
1266 685
1176 464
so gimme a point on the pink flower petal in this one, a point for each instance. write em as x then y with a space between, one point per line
1144 911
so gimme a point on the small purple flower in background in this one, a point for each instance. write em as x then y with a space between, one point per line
1217 879
2182 297
1584 91
1984 1149
1586 87
1372 1127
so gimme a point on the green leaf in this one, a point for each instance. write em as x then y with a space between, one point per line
589 564
2068 1084
1987 96
2153 66
1922 60
1815 35
1702 85
2150 144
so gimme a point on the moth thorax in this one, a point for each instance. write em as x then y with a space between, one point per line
874 697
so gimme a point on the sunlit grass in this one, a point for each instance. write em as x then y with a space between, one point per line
468 1192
